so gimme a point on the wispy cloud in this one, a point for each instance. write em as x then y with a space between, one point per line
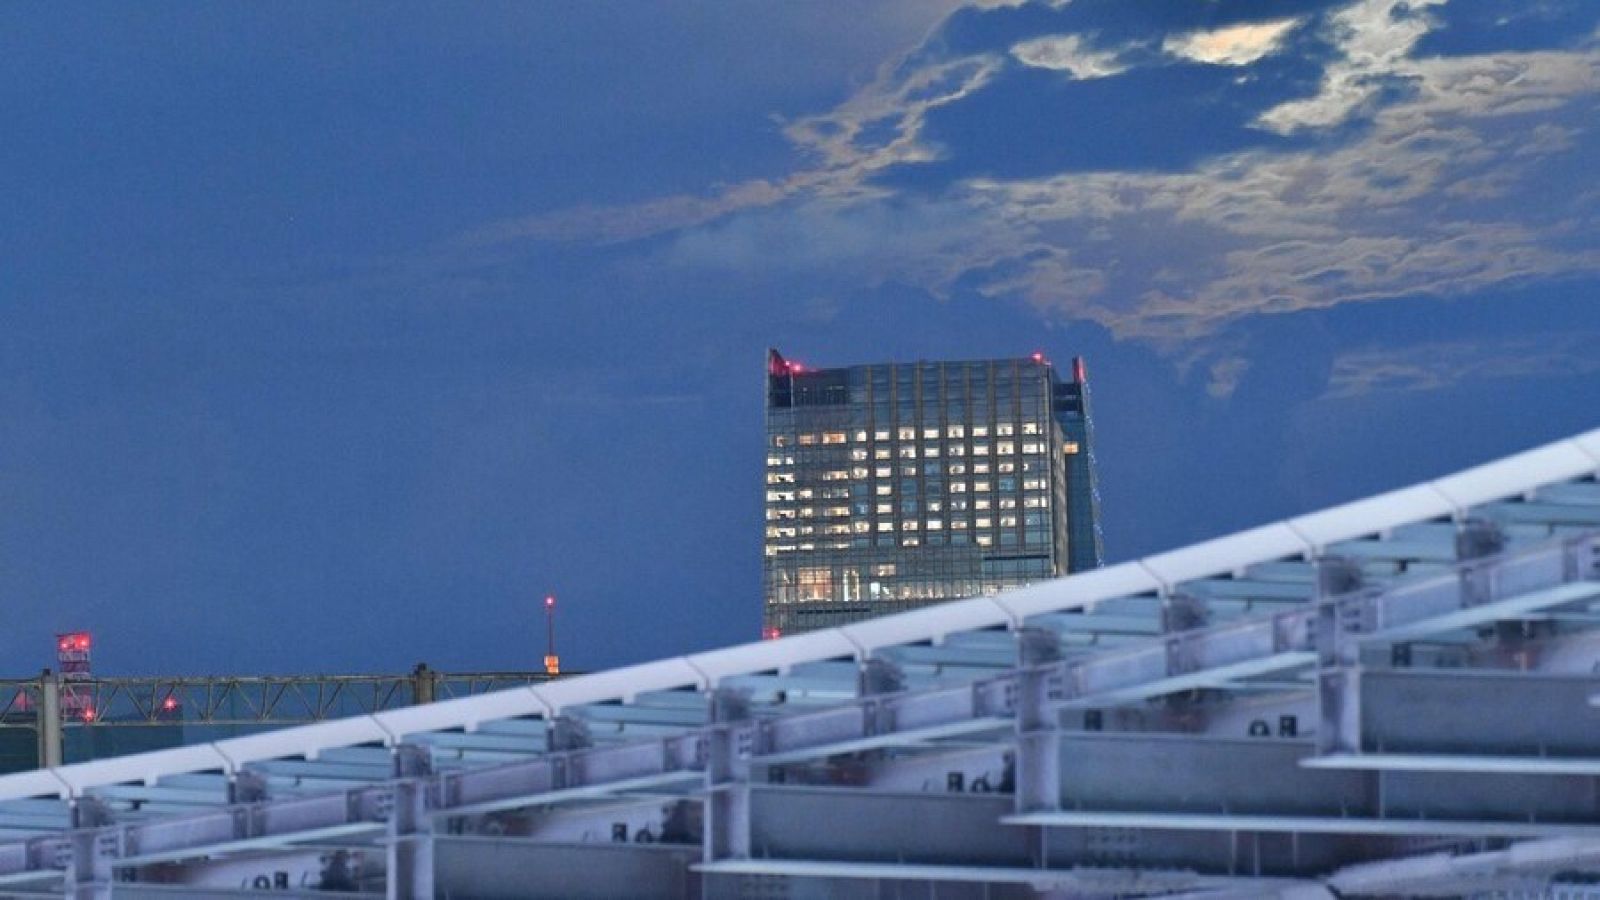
1423 199
1374 38
1435 366
1068 53
1238 45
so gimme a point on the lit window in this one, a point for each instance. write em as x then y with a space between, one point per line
858 472
980 468
780 440
931 451
908 434
909 525
883 471
981 486
935 505
935 524
908 451
1004 429
885 509
835 475
843 528
981 503
1005 448
984 522
860 527
1008 467
807 511
780 496
833 437
881 435
958 504
955 431
837 511
1035 502
958 450
909 542
881 453
885 526
980 449
908 471
958 468
803 493
1033 484
807 440
780 478
884 490
1069 448
1032 448
1008 521
985 540
930 434
1008 503
958 524
858 453
958 487
980 431
860 436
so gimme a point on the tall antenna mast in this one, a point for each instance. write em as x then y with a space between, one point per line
552 662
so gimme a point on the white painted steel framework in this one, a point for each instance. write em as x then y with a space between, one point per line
1395 697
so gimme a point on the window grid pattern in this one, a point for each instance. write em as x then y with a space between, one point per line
892 486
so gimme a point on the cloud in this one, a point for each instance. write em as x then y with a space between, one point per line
1226 374
1374 38
1067 53
1238 45
1460 182
1444 364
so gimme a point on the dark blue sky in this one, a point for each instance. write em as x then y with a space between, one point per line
333 336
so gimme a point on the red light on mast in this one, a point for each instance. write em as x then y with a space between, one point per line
771 634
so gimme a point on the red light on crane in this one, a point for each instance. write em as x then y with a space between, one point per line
88 714
550 601
771 634
169 704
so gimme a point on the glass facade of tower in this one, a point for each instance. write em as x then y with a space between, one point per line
893 486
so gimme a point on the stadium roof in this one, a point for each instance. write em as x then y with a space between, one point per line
1226 626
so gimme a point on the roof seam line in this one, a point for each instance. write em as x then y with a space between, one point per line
861 650
1457 511
705 678
1593 457
550 711
1166 588
1311 548
72 793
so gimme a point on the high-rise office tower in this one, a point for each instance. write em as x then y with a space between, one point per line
897 485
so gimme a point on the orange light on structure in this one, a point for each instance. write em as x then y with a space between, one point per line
552 662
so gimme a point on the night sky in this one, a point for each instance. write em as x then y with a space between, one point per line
333 336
